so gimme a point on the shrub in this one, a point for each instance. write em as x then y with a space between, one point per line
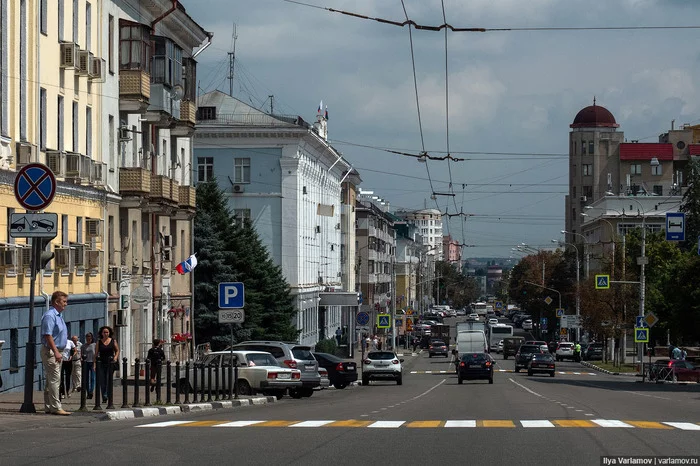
328 345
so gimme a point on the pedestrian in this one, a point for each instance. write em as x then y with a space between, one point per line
54 337
338 334
107 354
577 352
88 356
684 354
77 371
670 351
67 368
155 356
375 341
367 343
676 353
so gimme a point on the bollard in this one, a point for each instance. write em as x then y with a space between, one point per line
216 387
209 369
168 383
235 380
194 383
83 391
230 379
187 382
137 370
98 385
147 393
224 390
125 388
110 384
159 367
201 379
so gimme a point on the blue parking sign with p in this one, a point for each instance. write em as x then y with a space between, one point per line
231 295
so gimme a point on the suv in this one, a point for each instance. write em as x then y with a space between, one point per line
437 347
293 356
565 350
382 365
594 352
524 355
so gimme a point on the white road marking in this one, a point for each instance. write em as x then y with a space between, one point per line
587 414
536 424
238 424
460 423
613 423
311 424
683 425
166 424
387 424
524 387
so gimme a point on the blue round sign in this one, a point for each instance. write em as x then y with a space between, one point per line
35 186
362 318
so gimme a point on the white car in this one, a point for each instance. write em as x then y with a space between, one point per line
382 365
474 316
527 324
499 348
325 381
493 321
565 350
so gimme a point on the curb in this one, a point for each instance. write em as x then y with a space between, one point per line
605 371
185 408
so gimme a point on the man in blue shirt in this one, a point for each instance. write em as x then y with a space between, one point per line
54 337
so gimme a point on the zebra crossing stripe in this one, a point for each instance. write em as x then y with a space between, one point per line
386 424
460 423
536 424
166 424
239 424
683 425
311 424
609 423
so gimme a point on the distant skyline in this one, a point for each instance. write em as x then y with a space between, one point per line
512 94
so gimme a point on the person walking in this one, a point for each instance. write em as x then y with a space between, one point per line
88 356
107 354
54 337
577 352
676 353
67 368
338 335
77 371
155 356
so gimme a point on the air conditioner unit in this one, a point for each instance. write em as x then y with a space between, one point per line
56 161
97 173
69 55
24 153
167 241
124 133
78 254
165 255
93 228
97 71
74 166
26 255
94 259
62 257
115 274
121 318
84 62
584 198
238 188
8 256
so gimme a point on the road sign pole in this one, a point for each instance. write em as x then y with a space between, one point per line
28 404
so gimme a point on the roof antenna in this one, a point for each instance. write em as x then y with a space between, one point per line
594 101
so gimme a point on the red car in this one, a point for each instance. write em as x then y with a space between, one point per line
674 370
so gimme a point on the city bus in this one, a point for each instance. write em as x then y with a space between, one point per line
496 333
480 308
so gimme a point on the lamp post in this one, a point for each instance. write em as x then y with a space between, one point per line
585 249
578 285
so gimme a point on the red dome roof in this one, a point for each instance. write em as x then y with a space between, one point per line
594 116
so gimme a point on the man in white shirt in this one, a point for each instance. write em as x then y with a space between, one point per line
77 364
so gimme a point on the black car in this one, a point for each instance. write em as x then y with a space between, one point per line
594 352
524 354
541 362
437 347
475 366
340 373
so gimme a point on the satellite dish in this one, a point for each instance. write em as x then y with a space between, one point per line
178 92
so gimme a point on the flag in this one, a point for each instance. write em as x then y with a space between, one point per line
320 107
326 115
187 265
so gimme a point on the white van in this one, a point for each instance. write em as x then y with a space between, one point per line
471 341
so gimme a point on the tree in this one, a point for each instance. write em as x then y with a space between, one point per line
691 206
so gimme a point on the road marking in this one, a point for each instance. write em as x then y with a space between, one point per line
201 424
524 387
610 423
166 424
386 424
239 424
311 424
536 424
574 423
350 423
425 424
648 425
275 424
500 423
683 425
460 423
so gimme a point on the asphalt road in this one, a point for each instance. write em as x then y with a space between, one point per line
573 418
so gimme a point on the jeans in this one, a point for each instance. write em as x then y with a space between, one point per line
104 373
66 371
90 378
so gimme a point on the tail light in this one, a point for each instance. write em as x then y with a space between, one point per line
339 367
551 366
296 375
461 364
488 363
670 364
272 375
431 347
395 361
368 361
292 364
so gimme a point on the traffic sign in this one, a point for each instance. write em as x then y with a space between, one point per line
35 186
675 226
231 316
399 323
362 318
602 282
650 319
231 295
33 225
548 300
641 335
383 320
560 312
562 331
499 305
640 322
409 324
543 323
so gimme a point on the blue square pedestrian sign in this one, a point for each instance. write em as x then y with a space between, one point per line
560 312
602 282
641 335
499 305
383 320
640 322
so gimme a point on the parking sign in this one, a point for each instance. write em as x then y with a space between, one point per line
231 295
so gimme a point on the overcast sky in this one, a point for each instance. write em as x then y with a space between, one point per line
512 92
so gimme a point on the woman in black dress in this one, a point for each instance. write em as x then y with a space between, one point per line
107 355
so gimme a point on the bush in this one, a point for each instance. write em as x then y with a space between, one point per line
328 345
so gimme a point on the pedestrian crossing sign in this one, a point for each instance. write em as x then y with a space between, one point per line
560 312
602 282
641 335
383 321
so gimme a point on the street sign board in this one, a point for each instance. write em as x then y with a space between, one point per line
602 282
562 331
339 298
641 335
499 305
543 323
231 295
399 323
650 319
35 186
383 320
409 324
560 312
362 318
548 300
640 322
675 226
33 225
231 316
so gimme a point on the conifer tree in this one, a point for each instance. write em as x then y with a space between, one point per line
691 206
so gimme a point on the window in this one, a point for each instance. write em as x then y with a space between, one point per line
42 119
591 148
22 68
241 170
60 123
240 216
110 240
60 19
658 190
110 44
205 169
636 169
573 192
88 26
79 230
206 113
64 229
573 171
587 169
167 62
88 131
656 170
75 21
583 147
588 192
75 127
10 211
44 17
4 104
112 151
134 47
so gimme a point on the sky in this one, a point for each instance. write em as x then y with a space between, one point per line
502 100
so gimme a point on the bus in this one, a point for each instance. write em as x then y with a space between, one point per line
496 333
480 308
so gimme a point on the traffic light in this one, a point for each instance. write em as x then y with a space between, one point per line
44 256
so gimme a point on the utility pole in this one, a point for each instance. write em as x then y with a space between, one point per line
393 300
272 104
231 62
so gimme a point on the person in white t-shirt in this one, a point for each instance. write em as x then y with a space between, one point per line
67 368
76 377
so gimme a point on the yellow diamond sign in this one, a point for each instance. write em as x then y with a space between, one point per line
548 300
651 319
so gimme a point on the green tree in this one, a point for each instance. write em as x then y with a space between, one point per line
691 205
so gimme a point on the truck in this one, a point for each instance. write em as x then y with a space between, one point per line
469 341
471 325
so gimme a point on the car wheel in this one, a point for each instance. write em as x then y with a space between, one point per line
295 394
244 388
306 392
551 374
517 369
399 381
430 355
340 386
365 380
505 356
491 380
529 372
459 380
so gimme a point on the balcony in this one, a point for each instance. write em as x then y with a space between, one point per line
188 197
184 126
160 187
134 90
134 181
174 192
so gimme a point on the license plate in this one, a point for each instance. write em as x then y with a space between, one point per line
283 376
382 363
350 367
309 367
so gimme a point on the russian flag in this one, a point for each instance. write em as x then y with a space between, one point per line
187 266
320 107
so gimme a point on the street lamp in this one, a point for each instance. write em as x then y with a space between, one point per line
585 248
578 284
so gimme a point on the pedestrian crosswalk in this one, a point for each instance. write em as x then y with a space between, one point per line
503 370
465 423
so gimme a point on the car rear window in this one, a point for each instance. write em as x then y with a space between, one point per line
328 357
542 357
437 343
380 355
261 360
566 345
474 357
303 353
529 349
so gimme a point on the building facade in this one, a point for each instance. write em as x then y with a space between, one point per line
429 223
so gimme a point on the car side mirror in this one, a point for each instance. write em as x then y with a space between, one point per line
400 360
